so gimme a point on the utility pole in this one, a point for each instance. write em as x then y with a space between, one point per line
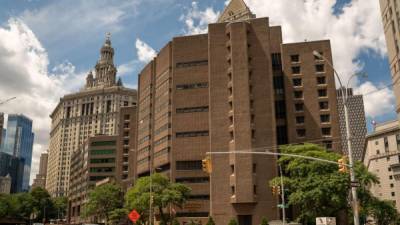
283 197
348 135
351 162
207 167
151 217
151 193
266 152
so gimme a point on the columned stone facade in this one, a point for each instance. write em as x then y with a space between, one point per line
92 111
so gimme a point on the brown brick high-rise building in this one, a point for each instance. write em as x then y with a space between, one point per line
126 146
237 88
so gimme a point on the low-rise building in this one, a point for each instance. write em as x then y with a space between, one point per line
94 161
382 158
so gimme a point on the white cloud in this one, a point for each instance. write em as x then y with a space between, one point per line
132 86
357 29
24 74
376 102
129 67
61 20
145 53
196 20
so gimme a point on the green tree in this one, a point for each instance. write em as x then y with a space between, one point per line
118 216
318 188
164 192
20 206
175 222
232 222
384 212
264 221
60 205
103 200
210 221
42 205
4 205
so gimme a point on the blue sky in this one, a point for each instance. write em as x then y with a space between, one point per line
155 22
54 44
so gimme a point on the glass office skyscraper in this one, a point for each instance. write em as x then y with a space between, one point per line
19 143
14 167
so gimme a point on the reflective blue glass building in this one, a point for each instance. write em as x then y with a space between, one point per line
14 167
3 138
19 143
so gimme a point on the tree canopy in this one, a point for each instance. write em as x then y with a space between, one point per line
36 204
42 203
164 192
19 205
318 188
103 200
60 205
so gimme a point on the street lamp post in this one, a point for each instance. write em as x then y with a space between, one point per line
151 194
283 196
348 136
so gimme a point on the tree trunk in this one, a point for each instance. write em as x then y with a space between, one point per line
162 216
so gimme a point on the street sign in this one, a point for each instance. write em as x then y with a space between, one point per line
282 206
134 216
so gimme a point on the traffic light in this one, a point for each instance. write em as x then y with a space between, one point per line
276 190
206 164
343 164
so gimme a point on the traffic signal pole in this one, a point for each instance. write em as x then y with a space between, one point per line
351 162
207 167
348 134
206 164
